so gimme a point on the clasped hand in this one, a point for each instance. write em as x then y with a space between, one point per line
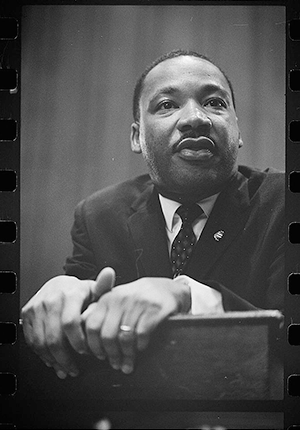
86 316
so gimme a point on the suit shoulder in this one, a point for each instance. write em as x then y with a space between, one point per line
270 181
116 197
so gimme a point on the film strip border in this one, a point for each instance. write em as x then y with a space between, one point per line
10 64
292 298
10 67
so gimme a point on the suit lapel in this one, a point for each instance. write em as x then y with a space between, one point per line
226 220
147 227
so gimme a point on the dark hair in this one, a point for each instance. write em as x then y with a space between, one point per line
172 54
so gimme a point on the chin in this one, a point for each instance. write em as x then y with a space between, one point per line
194 187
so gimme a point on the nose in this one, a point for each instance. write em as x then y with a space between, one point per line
193 118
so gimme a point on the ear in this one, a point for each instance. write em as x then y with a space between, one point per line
135 138
241 143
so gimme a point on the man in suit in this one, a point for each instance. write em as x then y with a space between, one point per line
134 233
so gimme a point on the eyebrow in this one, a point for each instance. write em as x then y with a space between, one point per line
171 90
211 88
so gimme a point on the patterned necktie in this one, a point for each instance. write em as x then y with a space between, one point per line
182 246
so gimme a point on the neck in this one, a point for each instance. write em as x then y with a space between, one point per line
188 197
195 196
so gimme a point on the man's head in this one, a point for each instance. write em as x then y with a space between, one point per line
185 125
172 54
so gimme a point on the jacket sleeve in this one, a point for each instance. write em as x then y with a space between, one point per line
82 262
230 300
277 279
268 293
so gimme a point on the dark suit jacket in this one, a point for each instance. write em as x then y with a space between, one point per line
123 227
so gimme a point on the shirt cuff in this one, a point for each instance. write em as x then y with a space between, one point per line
204 299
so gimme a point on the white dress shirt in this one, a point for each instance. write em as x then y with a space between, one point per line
204 299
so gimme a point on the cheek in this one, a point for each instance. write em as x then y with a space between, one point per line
153 142
231 132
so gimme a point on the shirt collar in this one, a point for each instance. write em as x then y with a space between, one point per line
169 208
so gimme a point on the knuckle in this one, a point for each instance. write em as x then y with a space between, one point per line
72 292
92 326
52 302
142 332
53 343
108 342
29 312
69 323
126 338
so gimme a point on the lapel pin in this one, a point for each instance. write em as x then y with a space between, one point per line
218 235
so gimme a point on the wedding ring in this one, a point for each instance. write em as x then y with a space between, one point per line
125 328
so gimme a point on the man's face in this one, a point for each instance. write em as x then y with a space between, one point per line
187 132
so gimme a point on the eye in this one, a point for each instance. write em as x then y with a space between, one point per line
216 103
167 105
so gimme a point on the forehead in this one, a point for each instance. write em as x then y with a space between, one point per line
182 72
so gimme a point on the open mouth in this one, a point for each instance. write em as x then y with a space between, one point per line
201 148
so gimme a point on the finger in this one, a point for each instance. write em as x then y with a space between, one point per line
148 321
57 342
105 282
71 324
127 338
89 310
61 372
92 320
35 335
109 334
127 343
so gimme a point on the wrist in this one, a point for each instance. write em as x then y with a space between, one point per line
185 300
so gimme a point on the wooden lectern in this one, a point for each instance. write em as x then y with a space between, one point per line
221 370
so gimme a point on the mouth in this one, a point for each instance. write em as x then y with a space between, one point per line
196 149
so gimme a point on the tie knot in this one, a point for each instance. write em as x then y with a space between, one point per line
189 212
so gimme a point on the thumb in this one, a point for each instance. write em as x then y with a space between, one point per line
104 282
